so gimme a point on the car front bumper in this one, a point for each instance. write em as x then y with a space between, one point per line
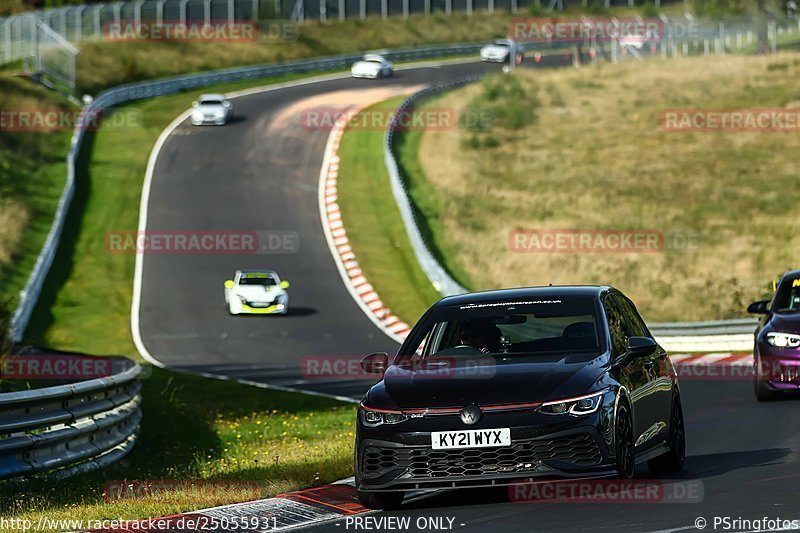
405 461
778 368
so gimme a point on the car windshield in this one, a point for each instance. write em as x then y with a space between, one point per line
501 43
787 299
257 279
211 102
511 329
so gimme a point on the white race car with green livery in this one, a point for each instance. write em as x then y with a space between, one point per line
256 292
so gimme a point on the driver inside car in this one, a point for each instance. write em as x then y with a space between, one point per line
478 334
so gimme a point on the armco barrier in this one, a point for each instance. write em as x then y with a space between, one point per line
136 91
70 428
437 275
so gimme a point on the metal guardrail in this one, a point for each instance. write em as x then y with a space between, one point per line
438 276
738 326
137 91
70 428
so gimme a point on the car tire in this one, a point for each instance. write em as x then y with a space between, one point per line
624 445
673 460
384 501
763 392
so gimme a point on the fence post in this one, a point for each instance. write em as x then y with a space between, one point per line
405 9
491 6
118 13
96 18
448 6
182 12
207 12
722 37
323 15
231 13
513 6
773 26
160 12
7 40
342 16
469 7
362 9
384 9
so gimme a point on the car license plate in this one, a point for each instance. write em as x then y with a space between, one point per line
471 438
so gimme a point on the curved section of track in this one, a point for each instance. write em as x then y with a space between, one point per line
258 173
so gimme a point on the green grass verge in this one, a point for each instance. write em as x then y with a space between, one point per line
204 431
374 227
194 428
32 174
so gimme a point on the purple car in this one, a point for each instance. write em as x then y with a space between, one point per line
777 340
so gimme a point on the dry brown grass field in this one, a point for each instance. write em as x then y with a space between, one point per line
593 155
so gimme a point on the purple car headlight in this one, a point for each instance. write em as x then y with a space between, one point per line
783 340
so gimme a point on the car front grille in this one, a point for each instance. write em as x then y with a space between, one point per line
520 457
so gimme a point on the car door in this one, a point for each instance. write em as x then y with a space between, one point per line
632 374
657 367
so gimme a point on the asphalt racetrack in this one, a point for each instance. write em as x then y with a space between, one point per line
261 172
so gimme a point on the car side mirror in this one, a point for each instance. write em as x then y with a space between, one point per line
226 103
229 284
284 284
375 363
759 307
195 103
641 347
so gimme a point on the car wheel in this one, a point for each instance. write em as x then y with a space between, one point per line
673 460
624 444
381 500
763 392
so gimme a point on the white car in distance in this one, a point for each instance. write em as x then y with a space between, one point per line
372 66
497 52
211 109
256 292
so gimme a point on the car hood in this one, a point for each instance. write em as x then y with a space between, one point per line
489 382
493 49
366 66
257 293
209 109
785 322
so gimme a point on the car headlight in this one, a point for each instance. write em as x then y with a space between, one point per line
243 299
783 340
197 115
578 406
373 418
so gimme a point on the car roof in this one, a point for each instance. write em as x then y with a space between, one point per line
523 292
211 96
373 57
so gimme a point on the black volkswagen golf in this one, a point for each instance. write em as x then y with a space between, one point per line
495 387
